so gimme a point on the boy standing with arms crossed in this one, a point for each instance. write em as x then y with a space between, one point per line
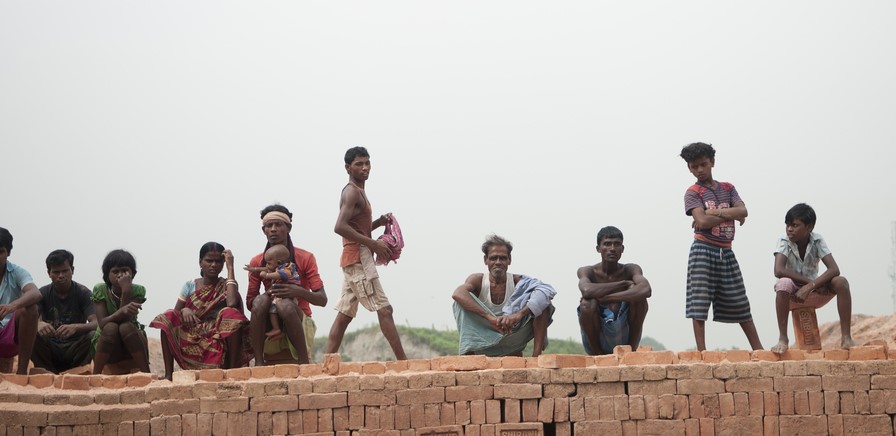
714 276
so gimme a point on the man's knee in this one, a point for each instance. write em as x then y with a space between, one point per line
588 308
839 284
639 308
287 308
28 314
261 305
385 312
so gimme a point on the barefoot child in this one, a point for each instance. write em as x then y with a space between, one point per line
714 276
119 336
278 268
799 285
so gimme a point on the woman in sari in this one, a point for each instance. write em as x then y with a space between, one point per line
205 328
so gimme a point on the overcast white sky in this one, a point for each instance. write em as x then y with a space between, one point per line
156 127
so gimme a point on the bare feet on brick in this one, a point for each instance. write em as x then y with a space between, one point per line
847 342
781 347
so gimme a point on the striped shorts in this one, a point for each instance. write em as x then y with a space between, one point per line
714 278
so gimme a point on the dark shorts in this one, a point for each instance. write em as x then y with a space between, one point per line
613 332
714 278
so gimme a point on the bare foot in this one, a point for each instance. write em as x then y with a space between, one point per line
847 342
274 333
781 347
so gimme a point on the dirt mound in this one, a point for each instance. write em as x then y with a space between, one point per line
865 328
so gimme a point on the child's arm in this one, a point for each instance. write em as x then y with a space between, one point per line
708 218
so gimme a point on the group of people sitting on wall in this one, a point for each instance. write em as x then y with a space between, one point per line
64 325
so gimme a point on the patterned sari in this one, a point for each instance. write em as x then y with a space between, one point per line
202 346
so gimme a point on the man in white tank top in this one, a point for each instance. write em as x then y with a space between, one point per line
499 313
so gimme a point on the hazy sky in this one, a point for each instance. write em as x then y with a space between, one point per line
156 127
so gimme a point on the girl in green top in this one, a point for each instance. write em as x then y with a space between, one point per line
119 336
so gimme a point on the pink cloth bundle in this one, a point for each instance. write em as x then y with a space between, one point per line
392 237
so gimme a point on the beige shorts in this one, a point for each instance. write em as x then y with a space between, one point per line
815 300
357 288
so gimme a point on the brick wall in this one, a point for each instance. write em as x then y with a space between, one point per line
641 393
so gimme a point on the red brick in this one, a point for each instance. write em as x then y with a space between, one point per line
323 401
561 409
771 403
707 426
441 430
649 358
711 406
863 402
139 380
874 352
793 354
462 413
529 409
602 427
340 419
431 415
75 382
371 382
652 404
286 370
606 360
418 365
211 375
517 391
312 370
545 410
41 381
785 401
712 356
477 412
801 403
726 404
372 418
461 363
735 356
621 409
661 387
838 354
331 363
309 422
492 411
396 366
692 356
666 406
846 382
742 404
770 426
513 362
563 361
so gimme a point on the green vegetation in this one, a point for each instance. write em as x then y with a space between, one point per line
444 342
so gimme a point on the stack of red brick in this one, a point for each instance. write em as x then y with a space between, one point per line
645 392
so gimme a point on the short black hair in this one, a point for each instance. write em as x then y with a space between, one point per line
354 152
6 239
802 212
697 150
59 257
608 232
494 239
276 208
118 258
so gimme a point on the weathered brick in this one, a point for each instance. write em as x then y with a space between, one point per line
468 393
371 382
799 425
518 391
724 371
691 356
745 425
120 413
606 360
395 366
174 407
874 352
655 372
786 403
277 403
711 406
373 368
798 383
561 410
76 382
84 416
443 379
608 374
846 382
602 427
139 380
816 403
636 407
460 363
462 413
211 375
762 384
649 358
477 412
226 405
432 415
545 411
420 381
420 396
660 427
323 401
286 370
600 389
726 404
863 403
700 386
771 402
576 409
631 373
371 398
666 406
741 404
662 387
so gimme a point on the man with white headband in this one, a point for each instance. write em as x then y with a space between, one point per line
294 304
362 285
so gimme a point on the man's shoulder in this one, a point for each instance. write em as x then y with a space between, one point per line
302 253
81 289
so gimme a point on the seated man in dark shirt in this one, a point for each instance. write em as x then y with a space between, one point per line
67 318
